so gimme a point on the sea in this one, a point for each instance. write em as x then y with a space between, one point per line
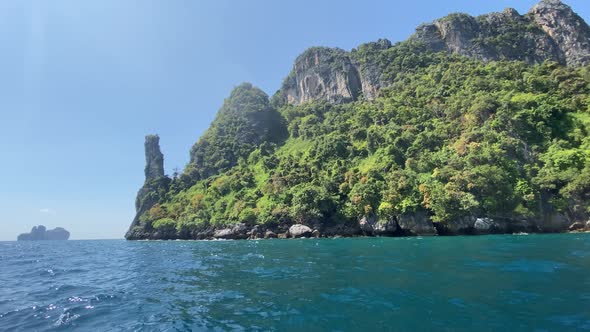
465 283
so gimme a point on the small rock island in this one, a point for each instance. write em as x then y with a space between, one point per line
40 233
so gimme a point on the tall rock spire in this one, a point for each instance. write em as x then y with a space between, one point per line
153 190
154 159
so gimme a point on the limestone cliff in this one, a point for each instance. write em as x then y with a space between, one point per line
497 36
369 69
568 30
154 159
551 30
322 73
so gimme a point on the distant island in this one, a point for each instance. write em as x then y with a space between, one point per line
39 233
473 125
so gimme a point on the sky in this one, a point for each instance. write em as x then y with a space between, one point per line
82 83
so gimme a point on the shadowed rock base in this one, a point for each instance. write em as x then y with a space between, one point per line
418 224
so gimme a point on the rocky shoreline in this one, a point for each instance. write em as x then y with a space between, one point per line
416 225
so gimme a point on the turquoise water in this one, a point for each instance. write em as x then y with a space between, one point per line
487 283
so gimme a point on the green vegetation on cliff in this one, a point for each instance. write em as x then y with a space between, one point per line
245 121
450 137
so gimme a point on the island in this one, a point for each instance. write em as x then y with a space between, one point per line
473 125
40 233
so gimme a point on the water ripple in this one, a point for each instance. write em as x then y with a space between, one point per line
461 283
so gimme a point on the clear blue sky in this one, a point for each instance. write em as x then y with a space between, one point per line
82 83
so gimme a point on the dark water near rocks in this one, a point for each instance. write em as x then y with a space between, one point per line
488 283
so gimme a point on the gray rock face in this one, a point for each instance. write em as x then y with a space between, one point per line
474 225
40 233
385 227
239 231
224 233
461 225
299 230
255 233
366 225
554 222
154 159
454 33
270 235
322 73
484 225
373 226
550 222
551 30
416 224
576 226
568 30
370 71
497 36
